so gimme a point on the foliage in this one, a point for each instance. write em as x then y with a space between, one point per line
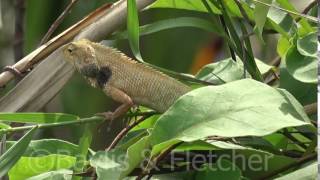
251 124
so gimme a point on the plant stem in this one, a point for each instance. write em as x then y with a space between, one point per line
49 125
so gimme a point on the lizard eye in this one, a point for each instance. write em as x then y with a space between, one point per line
69 49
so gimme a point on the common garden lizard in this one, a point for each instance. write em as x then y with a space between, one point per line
123 79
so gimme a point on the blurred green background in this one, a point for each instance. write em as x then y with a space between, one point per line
179 49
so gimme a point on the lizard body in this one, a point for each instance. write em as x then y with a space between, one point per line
123 79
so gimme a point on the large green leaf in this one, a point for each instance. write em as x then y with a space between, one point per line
63 174
306 173
173 23
30 166
302 68
13 154
38 118
230 110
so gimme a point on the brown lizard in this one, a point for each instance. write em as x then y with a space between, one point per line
123 79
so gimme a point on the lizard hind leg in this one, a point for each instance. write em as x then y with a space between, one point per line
118 96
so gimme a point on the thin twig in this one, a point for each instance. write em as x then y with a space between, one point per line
124 131
310 6
57 22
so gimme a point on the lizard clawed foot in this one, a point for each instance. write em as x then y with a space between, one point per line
107 116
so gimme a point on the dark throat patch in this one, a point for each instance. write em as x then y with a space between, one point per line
102 75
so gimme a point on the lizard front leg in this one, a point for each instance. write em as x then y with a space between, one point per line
118 96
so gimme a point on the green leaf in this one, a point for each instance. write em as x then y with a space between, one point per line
172 23
280 21
13 154
135 155
43 147
31 166
37 118
227 71
148 123
305 93
83 149
307 172
237 46
131 138
4 126
288 6
116 164
260 17
208 145
283 46
194 5
302 68
133 28
222 169
231 110
62 174
308 45
222 71
109 165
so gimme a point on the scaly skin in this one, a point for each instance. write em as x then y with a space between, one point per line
122 78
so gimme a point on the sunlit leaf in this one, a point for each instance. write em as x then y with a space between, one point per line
13 154
133 28
302 68
308 45
260 17
230 110
31 166
63 174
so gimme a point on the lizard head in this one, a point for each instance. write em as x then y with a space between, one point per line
79 53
